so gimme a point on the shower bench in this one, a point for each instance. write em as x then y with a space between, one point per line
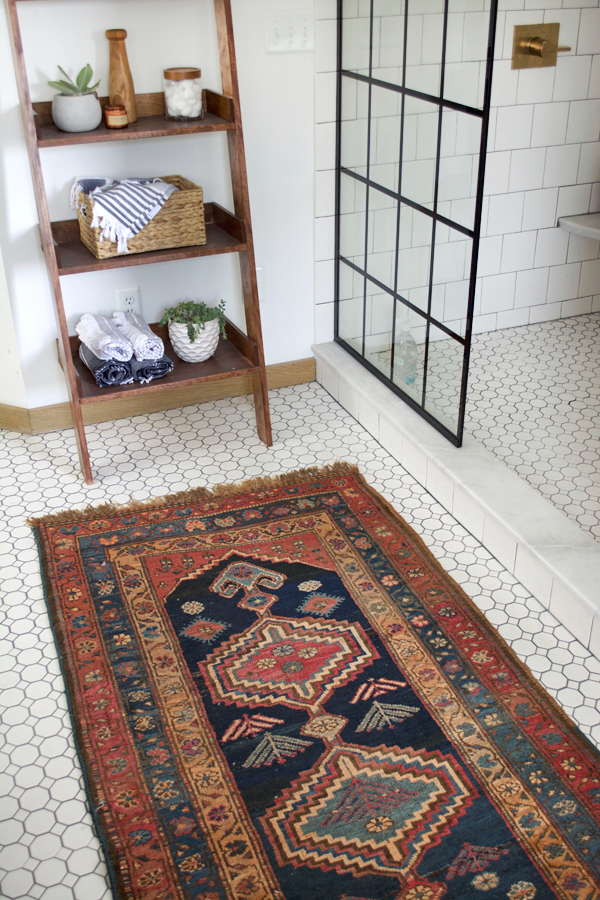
587 225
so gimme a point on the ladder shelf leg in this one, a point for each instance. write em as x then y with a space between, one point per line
76 413
239 184
259 381
46 238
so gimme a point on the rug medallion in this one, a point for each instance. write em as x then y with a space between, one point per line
278 693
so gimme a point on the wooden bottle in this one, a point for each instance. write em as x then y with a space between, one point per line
120 83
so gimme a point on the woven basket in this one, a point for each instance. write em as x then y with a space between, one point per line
180 223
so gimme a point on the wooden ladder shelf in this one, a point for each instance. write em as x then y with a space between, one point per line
227 232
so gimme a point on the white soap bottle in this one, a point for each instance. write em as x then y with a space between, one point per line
405 356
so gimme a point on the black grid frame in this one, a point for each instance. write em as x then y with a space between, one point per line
481 112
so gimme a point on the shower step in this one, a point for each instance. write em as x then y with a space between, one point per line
547 552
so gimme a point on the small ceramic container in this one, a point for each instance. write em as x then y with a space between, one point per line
203 347
76 113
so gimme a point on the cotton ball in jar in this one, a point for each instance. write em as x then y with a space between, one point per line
183 93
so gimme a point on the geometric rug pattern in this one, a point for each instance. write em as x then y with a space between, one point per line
278 693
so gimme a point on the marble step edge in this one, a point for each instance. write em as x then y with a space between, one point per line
547 552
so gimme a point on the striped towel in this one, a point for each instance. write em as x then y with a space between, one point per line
103 339
123 208
146 345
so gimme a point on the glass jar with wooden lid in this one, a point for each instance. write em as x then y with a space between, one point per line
183 93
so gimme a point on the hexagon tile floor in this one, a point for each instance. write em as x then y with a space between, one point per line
50 850
534 401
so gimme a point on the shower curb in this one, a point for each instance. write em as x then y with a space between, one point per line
548 553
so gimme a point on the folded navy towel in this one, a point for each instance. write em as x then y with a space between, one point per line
107 372
145 370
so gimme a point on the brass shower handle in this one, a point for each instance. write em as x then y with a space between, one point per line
536 46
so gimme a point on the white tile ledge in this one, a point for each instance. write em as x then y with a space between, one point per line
587 225
548 553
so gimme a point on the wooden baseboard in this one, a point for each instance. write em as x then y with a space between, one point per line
15 418
58 416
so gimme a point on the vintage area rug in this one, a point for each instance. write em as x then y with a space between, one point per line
278 693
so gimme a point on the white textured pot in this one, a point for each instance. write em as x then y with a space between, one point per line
76 113
203 347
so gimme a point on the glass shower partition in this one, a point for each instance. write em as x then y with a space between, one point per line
414 85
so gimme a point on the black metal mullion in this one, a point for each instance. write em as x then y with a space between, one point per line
401 154
338 172
418 95
477 221
408 202
368 172
379 187
435 200
437 216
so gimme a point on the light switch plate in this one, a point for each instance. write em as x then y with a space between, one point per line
290 29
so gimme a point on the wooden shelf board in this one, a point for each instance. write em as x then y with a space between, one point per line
227 362
151 122
73 257
145 127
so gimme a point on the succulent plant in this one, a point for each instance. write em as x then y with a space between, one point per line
195 316
76 88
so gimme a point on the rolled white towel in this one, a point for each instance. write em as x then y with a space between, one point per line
103 339
146 344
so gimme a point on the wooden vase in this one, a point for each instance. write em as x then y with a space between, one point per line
120 82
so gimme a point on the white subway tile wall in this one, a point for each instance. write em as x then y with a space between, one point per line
543 157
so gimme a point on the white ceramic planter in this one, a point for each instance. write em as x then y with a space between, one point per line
76 113
203 347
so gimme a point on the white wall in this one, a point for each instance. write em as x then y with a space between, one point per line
543 162
277 108
12 386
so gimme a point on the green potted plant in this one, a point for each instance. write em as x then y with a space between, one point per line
76 107
194 329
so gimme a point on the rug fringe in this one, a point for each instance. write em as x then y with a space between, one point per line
261 483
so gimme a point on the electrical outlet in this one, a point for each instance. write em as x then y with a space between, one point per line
128 300
290 32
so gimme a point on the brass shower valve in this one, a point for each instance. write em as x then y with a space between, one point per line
536 46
